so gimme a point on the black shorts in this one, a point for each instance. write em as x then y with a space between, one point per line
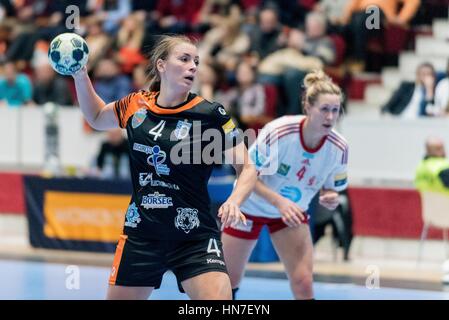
141 262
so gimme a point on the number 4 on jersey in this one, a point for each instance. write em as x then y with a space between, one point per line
213 247
156 131
300 173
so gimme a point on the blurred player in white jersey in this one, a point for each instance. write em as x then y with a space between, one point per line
308 157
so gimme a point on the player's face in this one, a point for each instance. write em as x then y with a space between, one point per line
180 68
324 113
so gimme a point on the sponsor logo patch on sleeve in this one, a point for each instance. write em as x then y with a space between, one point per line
340 179
228 126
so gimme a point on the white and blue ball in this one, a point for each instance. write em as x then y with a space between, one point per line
68 53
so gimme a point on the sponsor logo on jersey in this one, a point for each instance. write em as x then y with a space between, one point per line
308 155
138 118
228 126
187 219
182 129
283 169
340 179
156 201
156 157
291 193
147 178
132 216
241 226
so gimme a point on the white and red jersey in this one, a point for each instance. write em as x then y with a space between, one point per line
293 170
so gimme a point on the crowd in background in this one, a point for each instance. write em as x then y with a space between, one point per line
253 53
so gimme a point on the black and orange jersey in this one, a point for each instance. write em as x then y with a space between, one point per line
172 153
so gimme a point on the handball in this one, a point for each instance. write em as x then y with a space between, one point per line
68 53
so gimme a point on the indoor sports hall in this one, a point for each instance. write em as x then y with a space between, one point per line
64 194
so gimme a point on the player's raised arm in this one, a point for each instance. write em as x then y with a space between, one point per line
98 114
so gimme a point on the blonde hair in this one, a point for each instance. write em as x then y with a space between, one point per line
161 51
316 83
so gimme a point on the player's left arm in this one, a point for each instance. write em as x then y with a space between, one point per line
238 156
336 181
235 153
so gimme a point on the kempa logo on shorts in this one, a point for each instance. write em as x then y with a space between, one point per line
215 261
147 178
187 219
132 216
156 201
138 118
156 159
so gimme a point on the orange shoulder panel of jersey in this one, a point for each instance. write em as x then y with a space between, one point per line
128 105
189 105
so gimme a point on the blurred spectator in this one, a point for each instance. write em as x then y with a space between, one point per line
442 94
205 82
213 12
109 83
113 158
317 43
355 18
5 32
97 40
224 44
432 174
290 57
247 101
292 13
286 68
140 78
50 87
6 10
15 88
129 42
333 10
143 5
414 99
178 16
267 35
38 20
110 13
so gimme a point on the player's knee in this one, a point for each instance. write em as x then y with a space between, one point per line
302 286
222 291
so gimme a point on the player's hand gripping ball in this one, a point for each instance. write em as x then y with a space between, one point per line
68 53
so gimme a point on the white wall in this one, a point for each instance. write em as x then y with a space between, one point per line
22 138
389 148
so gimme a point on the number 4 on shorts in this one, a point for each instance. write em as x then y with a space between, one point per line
213 247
